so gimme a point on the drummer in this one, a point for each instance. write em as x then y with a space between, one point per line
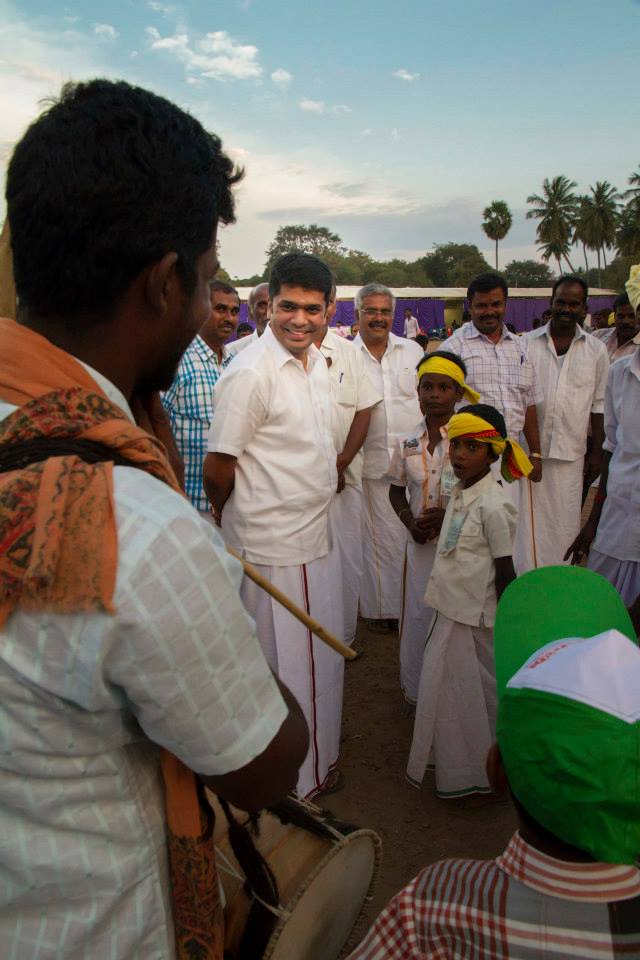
121 626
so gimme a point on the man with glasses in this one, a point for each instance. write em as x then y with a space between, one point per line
391 363
189 400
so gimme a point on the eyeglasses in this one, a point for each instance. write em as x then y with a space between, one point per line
385 312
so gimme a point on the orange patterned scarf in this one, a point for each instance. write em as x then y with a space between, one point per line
59 552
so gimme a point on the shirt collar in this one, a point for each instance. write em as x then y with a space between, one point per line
469 494
201 347
470 331
590 882
392 343
109 389
282 355
546 331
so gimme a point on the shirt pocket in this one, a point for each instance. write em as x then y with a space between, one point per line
407 382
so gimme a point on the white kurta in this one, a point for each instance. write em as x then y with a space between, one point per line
574 386
384 536
307 666
345 527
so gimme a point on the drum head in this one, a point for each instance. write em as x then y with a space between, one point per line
324 910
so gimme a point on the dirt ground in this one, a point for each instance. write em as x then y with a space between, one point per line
416 828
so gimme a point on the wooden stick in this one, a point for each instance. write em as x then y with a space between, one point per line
533 526
294 610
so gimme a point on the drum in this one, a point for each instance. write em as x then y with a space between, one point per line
323 883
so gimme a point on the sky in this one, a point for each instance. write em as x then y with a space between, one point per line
392 123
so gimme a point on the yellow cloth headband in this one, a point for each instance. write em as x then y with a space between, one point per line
448 369
515 462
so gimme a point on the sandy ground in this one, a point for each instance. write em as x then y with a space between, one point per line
416 828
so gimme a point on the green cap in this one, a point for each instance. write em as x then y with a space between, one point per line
568 677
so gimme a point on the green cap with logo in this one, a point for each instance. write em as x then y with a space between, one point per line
568 679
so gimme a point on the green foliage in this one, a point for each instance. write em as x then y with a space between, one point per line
628 229
556 211
454 264
528 273
312 239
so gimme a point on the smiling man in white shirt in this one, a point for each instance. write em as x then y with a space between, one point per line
571 367
391 364
271 475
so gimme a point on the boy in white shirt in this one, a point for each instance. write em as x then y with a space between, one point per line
420 467
455 715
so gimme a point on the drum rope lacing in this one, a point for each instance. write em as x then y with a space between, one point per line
227 867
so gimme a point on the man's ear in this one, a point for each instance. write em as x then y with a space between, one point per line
495 771
163 282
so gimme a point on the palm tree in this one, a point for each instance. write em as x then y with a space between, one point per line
497 222
634 192
597 220
628 232
556 210
580 231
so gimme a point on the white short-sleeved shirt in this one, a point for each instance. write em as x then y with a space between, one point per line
275 418
396 379
619 527
411 327
502 373
351 391
85 698
573 387
478 528
609 338
428 477
236 346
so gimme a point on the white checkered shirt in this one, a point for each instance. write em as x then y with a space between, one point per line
502 372
189 403
84 698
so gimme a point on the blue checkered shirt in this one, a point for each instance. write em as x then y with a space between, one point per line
189 403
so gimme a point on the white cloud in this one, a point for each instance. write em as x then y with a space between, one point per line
367 132
341 108
163 8
312 106
395 134
106 31
403 74
216 56
281 78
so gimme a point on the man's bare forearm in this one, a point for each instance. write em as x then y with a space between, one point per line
531 430
218 477
356 436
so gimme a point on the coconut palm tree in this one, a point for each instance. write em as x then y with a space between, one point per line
597 220
556 210
633 193
580 232
497 222
628 232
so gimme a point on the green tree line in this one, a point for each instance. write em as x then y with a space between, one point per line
603 223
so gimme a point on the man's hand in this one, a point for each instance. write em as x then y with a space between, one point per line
579 549
592 468
536 474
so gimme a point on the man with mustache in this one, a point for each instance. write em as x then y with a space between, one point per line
621 340
571 367
498 366
391 364
189 400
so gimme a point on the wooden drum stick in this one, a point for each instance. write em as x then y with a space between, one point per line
294 610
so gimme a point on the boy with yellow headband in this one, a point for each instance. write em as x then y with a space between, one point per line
455 715
421 474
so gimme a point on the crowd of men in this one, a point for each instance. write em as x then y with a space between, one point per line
363 479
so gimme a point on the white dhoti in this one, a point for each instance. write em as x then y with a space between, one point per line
345 525
384 538
310 669
416 617
455 717
623 574
549 515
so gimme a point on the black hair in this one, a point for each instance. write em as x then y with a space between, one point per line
422 340
223 287
485 283
446 355
571 278
510 327
301 270
244 327
622 300
488 413
106 181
